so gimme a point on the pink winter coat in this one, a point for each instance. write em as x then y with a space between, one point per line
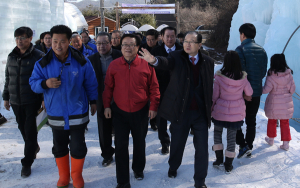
279 103
228 100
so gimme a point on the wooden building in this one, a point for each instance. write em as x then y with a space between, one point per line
94 23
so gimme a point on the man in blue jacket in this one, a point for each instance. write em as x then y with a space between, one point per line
77 43
68 82
88 41
254 61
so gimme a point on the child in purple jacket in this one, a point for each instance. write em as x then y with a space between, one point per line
279 104
228 109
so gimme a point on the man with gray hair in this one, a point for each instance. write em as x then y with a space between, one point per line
77 43
115 39
189 95
100 62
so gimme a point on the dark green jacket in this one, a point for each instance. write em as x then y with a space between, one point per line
254 61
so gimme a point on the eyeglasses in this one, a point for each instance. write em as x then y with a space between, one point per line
103 43
21 38
47 38
115 38
190 42
128 45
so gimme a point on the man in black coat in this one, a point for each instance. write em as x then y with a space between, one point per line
187 102
100 62
151 40
17 93
163 76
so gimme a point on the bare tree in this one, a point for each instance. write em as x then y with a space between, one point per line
190 18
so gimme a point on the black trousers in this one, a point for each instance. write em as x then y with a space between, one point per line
105 138
26 119
162 126
179 137
137 124
74 137
251 111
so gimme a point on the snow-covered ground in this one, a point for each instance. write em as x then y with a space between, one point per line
269 167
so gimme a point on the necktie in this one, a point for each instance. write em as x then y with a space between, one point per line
193 60
169 50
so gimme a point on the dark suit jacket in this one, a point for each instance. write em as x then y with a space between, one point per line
96 62
163 76
175 102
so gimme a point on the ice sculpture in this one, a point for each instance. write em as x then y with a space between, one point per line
78 21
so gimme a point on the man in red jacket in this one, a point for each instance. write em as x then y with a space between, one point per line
131 82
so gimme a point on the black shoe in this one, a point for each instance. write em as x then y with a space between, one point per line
220 158
139 175
243 151
123 185
26 171
200 186
228 165
172 173
107 162
2 120
36 151
165 150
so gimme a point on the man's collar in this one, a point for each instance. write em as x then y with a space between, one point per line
65 58
196 57
173 48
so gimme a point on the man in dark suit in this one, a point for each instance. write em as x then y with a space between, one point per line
163 76
187 102
151 42
100 62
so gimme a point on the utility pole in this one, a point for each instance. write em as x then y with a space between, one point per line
178 17
117 16
102 15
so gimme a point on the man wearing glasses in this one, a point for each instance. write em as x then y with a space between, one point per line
18 94
45 45
131 82
100 62
163 76
115 39
187 102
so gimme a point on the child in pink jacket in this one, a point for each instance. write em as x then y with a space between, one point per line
229 109
279 104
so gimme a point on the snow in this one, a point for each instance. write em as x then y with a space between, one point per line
275 21
269 166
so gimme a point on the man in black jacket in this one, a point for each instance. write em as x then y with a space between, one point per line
187 102
151 40
163 76
17 93
46 43
100 62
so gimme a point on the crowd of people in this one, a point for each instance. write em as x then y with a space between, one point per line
130 78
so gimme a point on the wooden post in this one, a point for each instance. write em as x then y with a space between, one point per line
102 15
178 17
117 16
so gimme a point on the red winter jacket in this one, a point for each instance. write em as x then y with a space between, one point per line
131 86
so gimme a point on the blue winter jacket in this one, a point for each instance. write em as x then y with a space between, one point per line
93 46
68 105
87 50
254 61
